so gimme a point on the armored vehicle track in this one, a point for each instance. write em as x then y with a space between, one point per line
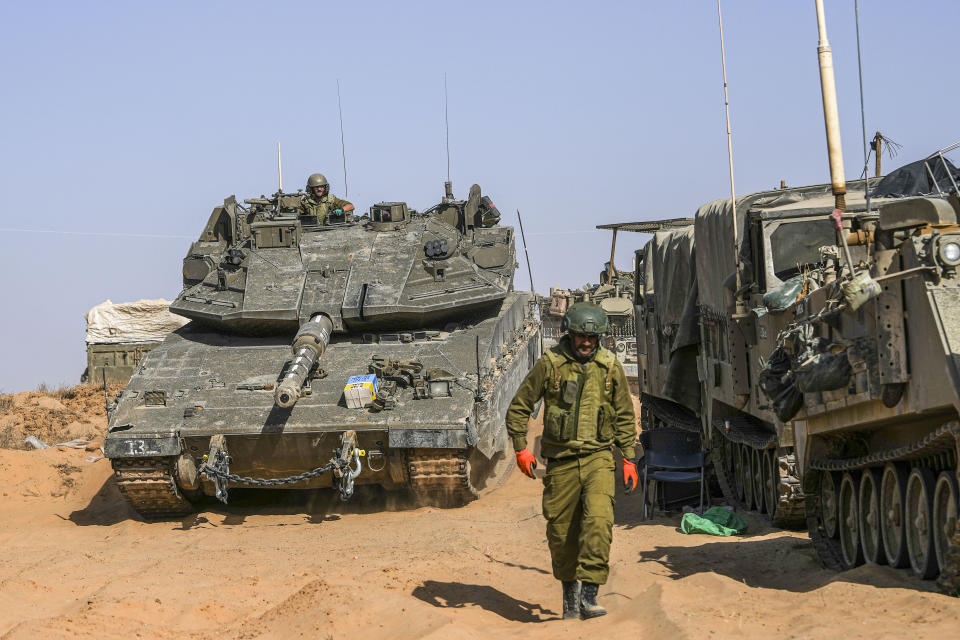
148 486
896 506
440 478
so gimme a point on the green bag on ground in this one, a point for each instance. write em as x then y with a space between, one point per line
715 521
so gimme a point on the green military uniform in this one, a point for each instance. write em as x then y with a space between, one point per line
587 408
321 207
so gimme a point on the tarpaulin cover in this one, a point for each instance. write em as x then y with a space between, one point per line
716 262
715 521
670 258
140 321
914 180
669 254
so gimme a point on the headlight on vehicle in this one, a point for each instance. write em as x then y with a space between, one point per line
949 252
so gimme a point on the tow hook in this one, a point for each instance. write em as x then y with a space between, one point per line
349 453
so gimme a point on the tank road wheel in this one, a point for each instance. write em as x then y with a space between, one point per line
893 489
756 463
771 478
945 507
736 454
847 522
746 463
820 487
869 517
828 504
919 523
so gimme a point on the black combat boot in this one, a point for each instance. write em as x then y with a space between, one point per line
588 601
571 599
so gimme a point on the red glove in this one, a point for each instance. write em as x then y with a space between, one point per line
630 479
528 463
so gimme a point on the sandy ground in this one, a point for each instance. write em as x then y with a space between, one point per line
77 563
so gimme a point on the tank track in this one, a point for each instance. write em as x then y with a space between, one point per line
789 512
949 580
942 439
827 548
148 485
441 478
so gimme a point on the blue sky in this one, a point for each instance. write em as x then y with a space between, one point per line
132 120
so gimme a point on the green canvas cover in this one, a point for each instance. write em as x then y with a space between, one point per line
715 521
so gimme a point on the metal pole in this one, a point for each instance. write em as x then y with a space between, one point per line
863 117
343 148
279 167
877 145
831 116
446 120
733 195
613 250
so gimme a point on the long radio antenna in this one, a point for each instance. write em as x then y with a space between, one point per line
446 119
733 195
279 168
525 252
863 117
343 148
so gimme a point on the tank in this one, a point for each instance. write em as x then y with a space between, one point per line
378 349
827 385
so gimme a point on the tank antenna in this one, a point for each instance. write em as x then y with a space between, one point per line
343 148
279 167
479 395
446 120
525 252
831 116
529 271
106 397
863 117
733 195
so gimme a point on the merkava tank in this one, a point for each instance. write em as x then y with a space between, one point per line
259 389
827 385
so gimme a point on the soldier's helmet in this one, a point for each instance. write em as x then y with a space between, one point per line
585 317
317 180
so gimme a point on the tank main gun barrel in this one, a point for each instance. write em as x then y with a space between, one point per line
308 346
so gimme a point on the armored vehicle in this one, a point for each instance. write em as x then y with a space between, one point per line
380 349
827 385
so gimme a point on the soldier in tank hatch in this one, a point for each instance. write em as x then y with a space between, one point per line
319 202
587 409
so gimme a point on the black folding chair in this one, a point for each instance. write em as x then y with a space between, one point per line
671 455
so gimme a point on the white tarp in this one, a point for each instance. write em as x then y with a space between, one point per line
140 321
